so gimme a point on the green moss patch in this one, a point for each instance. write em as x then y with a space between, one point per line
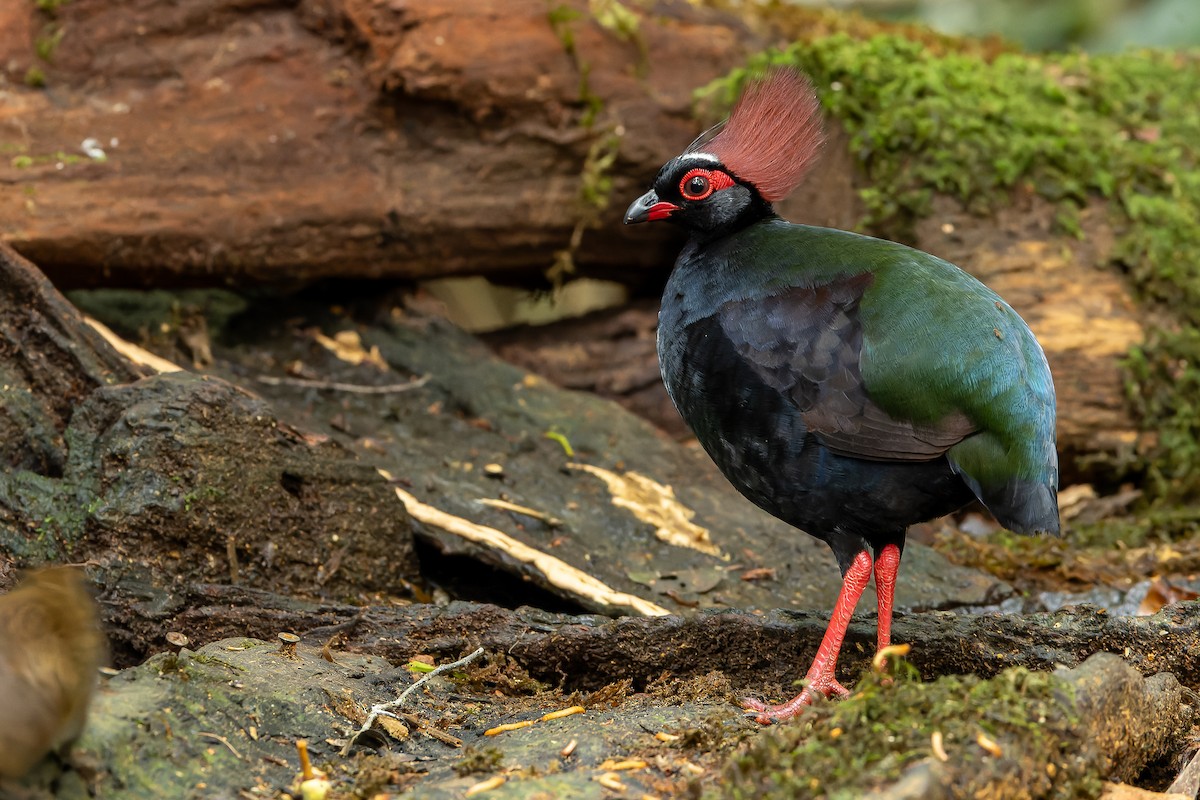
878 734
981 126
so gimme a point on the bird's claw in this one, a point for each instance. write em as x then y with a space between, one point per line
758 711
765 714
824 685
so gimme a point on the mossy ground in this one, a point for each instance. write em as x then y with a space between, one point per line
981 123
868 740
1119 555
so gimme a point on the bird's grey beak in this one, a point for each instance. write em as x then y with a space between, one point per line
648 208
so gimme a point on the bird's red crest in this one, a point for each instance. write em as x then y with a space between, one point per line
773 134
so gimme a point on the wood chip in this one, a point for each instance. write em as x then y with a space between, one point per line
654 503
348 346
394 727
620 766
486 786
504 505
566 712
137 355
935 744
433 733
508 726
610 780
759 574
989 744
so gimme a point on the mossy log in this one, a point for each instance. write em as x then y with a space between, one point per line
1019 734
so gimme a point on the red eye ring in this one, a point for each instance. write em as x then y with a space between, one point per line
698 183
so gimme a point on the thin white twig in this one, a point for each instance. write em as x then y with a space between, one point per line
385 709
355 388
222 740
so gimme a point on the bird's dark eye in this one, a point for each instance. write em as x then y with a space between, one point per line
696 185
699 183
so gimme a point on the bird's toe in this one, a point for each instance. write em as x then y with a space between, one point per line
765 714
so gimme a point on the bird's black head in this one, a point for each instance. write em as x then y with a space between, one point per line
698 192
730 176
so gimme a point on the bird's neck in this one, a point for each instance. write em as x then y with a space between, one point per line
757 210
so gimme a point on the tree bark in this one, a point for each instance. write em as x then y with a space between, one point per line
288 142
50 361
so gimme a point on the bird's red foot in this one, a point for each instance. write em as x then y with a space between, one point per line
765 714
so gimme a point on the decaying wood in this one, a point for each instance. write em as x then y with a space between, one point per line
586 652
138 355
1124 721
149 457
558 572
49 362
286 142
190 475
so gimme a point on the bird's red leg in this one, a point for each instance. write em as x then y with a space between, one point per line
887 564
820 674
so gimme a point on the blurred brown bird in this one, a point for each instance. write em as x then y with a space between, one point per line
50 650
